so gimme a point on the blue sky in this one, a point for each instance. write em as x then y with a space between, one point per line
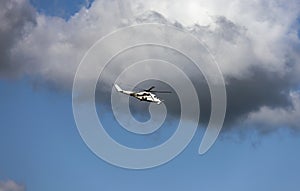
65 8
41 147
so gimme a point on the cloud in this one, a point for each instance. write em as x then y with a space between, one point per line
11 185
53 48
274 118
256 47
16 18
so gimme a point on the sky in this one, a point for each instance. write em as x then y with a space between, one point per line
257 48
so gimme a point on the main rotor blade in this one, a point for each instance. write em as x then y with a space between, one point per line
160 91
148 90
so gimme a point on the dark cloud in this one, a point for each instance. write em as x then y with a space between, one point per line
260 89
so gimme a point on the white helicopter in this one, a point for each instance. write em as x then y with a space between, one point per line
145 95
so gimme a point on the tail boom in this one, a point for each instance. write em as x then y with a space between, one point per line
123 91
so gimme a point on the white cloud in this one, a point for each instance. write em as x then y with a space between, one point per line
11 185
54 47
265 40
247 35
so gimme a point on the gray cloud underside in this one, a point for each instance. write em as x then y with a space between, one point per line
256 47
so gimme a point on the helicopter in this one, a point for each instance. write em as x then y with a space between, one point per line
145 95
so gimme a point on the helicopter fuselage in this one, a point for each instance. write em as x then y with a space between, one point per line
142 96
146 96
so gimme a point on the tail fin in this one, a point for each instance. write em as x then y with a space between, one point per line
118 88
